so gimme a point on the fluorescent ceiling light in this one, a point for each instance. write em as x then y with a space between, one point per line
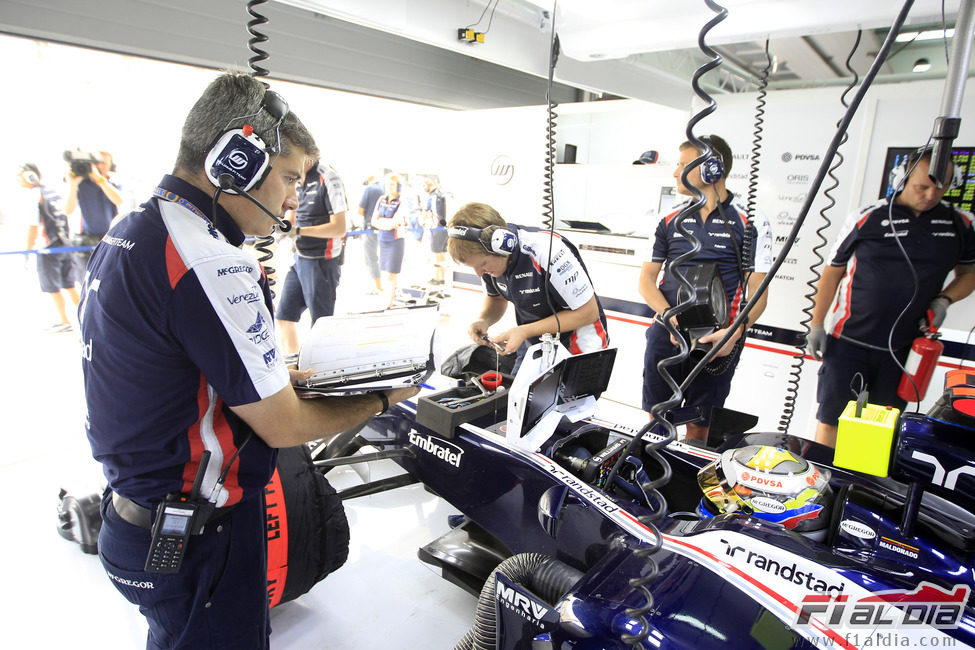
928 35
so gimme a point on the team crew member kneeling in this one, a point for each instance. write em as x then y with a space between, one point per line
181 364
514 264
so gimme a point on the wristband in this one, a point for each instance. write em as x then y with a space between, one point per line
298 231
385 400
946 297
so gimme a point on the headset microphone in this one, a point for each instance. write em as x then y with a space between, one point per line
226 182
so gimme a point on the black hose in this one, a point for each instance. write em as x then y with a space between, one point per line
543 575
798 359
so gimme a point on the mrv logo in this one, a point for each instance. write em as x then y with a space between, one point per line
445 451
512 599
928 605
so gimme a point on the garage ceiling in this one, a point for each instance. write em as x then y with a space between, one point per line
408 49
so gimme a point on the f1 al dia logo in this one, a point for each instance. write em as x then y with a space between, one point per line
502 169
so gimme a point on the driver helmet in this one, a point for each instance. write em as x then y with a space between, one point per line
770 483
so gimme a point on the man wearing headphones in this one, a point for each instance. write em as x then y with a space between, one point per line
542 274
740 245
313 280
187 392
878 309
59 273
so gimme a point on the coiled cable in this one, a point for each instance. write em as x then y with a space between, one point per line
548 184
813 189
656 501
261 244
799 358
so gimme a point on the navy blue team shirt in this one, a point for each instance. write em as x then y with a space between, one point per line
523 285
177 326
877 284
720 235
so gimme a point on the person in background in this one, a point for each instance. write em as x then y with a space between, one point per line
184 377
373 189
59 273
388 220
97 197
877 309
435 219
722 225
513 263
312 282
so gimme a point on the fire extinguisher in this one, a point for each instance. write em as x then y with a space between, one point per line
920 365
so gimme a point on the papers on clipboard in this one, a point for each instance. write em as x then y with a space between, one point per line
357 353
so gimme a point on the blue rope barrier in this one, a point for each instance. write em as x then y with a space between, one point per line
49 251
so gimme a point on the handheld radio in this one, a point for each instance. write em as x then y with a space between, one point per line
177 517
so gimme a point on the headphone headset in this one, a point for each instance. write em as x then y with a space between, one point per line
239 160
899 173
496 240
29 175
712 169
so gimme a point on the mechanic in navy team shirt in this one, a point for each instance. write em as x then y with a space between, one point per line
550 294
180 358
313 280
722 226
59 273
868 284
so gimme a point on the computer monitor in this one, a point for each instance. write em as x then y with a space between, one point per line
962 197
570 379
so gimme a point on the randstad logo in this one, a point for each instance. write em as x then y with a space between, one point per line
502 169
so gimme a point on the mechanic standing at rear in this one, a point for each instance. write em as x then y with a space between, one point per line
185 383
870 281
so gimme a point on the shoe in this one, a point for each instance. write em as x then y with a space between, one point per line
436 281
373 292
59 327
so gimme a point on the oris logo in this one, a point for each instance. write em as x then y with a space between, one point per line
502 169
237 159
797 179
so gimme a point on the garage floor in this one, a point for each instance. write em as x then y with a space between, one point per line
384 597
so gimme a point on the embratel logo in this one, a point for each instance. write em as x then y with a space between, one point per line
928 605
445 451
502 169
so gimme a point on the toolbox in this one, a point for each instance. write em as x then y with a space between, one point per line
442 412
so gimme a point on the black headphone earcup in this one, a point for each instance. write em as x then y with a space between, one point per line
712 170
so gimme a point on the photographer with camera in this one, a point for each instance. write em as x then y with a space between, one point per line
90 188
740 248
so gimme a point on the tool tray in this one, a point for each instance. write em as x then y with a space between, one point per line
443 421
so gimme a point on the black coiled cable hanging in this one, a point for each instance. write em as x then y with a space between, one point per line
754 162
799 358
548 184
261 244
656 502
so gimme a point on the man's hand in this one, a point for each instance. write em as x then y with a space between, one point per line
717 335
478 331
395 395
816 341
511 340
299 375
935 315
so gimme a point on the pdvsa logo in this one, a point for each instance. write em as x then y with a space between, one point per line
789 156
502 169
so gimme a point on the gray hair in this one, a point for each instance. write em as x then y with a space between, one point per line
230 101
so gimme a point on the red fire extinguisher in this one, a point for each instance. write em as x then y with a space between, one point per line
920 365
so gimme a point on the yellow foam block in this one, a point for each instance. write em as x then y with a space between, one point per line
863 444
